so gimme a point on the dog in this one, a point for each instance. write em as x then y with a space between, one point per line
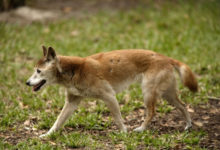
105 74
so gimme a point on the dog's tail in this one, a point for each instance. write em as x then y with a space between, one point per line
186 75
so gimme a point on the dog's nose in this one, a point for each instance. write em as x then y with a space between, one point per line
28 83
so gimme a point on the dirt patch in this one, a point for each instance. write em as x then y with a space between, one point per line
205 117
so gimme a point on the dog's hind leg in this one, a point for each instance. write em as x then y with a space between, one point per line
173 99
114 108
170 94
69 107
152 85
149 101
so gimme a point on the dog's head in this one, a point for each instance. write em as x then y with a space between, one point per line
45 71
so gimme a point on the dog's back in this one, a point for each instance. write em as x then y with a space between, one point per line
125 66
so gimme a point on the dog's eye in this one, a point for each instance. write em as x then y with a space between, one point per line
38 71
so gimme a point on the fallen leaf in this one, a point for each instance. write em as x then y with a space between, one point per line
67 9
213 111
34 129
26 128
126 98
119 146
92 105
198 123
22 105
52 143
27 123
205 117
190 109
74 33
46 30
141 111
48 110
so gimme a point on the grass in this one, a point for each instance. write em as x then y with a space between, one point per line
188 31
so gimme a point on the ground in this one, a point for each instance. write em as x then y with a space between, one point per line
185 30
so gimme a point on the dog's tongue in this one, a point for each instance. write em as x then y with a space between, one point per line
34 87
38 86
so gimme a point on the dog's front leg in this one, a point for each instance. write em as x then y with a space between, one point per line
114 108
69 107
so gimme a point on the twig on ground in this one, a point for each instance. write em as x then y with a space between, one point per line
213 98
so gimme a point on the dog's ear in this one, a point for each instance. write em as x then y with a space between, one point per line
51 54
44 50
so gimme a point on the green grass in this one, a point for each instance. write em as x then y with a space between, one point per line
151 139
185 30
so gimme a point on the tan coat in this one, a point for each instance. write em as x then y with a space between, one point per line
104 74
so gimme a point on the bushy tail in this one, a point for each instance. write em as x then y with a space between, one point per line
186 75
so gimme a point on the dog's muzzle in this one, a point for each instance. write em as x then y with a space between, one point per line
28 83
36 87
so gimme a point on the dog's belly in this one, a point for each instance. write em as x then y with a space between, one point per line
121 86
82 92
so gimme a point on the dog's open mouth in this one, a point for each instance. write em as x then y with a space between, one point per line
39 85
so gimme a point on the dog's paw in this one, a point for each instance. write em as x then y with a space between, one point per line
139 129
188 126
44 135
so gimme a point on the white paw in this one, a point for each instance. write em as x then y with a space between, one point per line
44 135
139 129
188 126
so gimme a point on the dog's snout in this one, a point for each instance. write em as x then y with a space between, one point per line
28 83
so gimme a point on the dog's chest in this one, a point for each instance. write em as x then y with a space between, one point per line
73 90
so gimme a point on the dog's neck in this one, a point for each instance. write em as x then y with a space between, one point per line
70 69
